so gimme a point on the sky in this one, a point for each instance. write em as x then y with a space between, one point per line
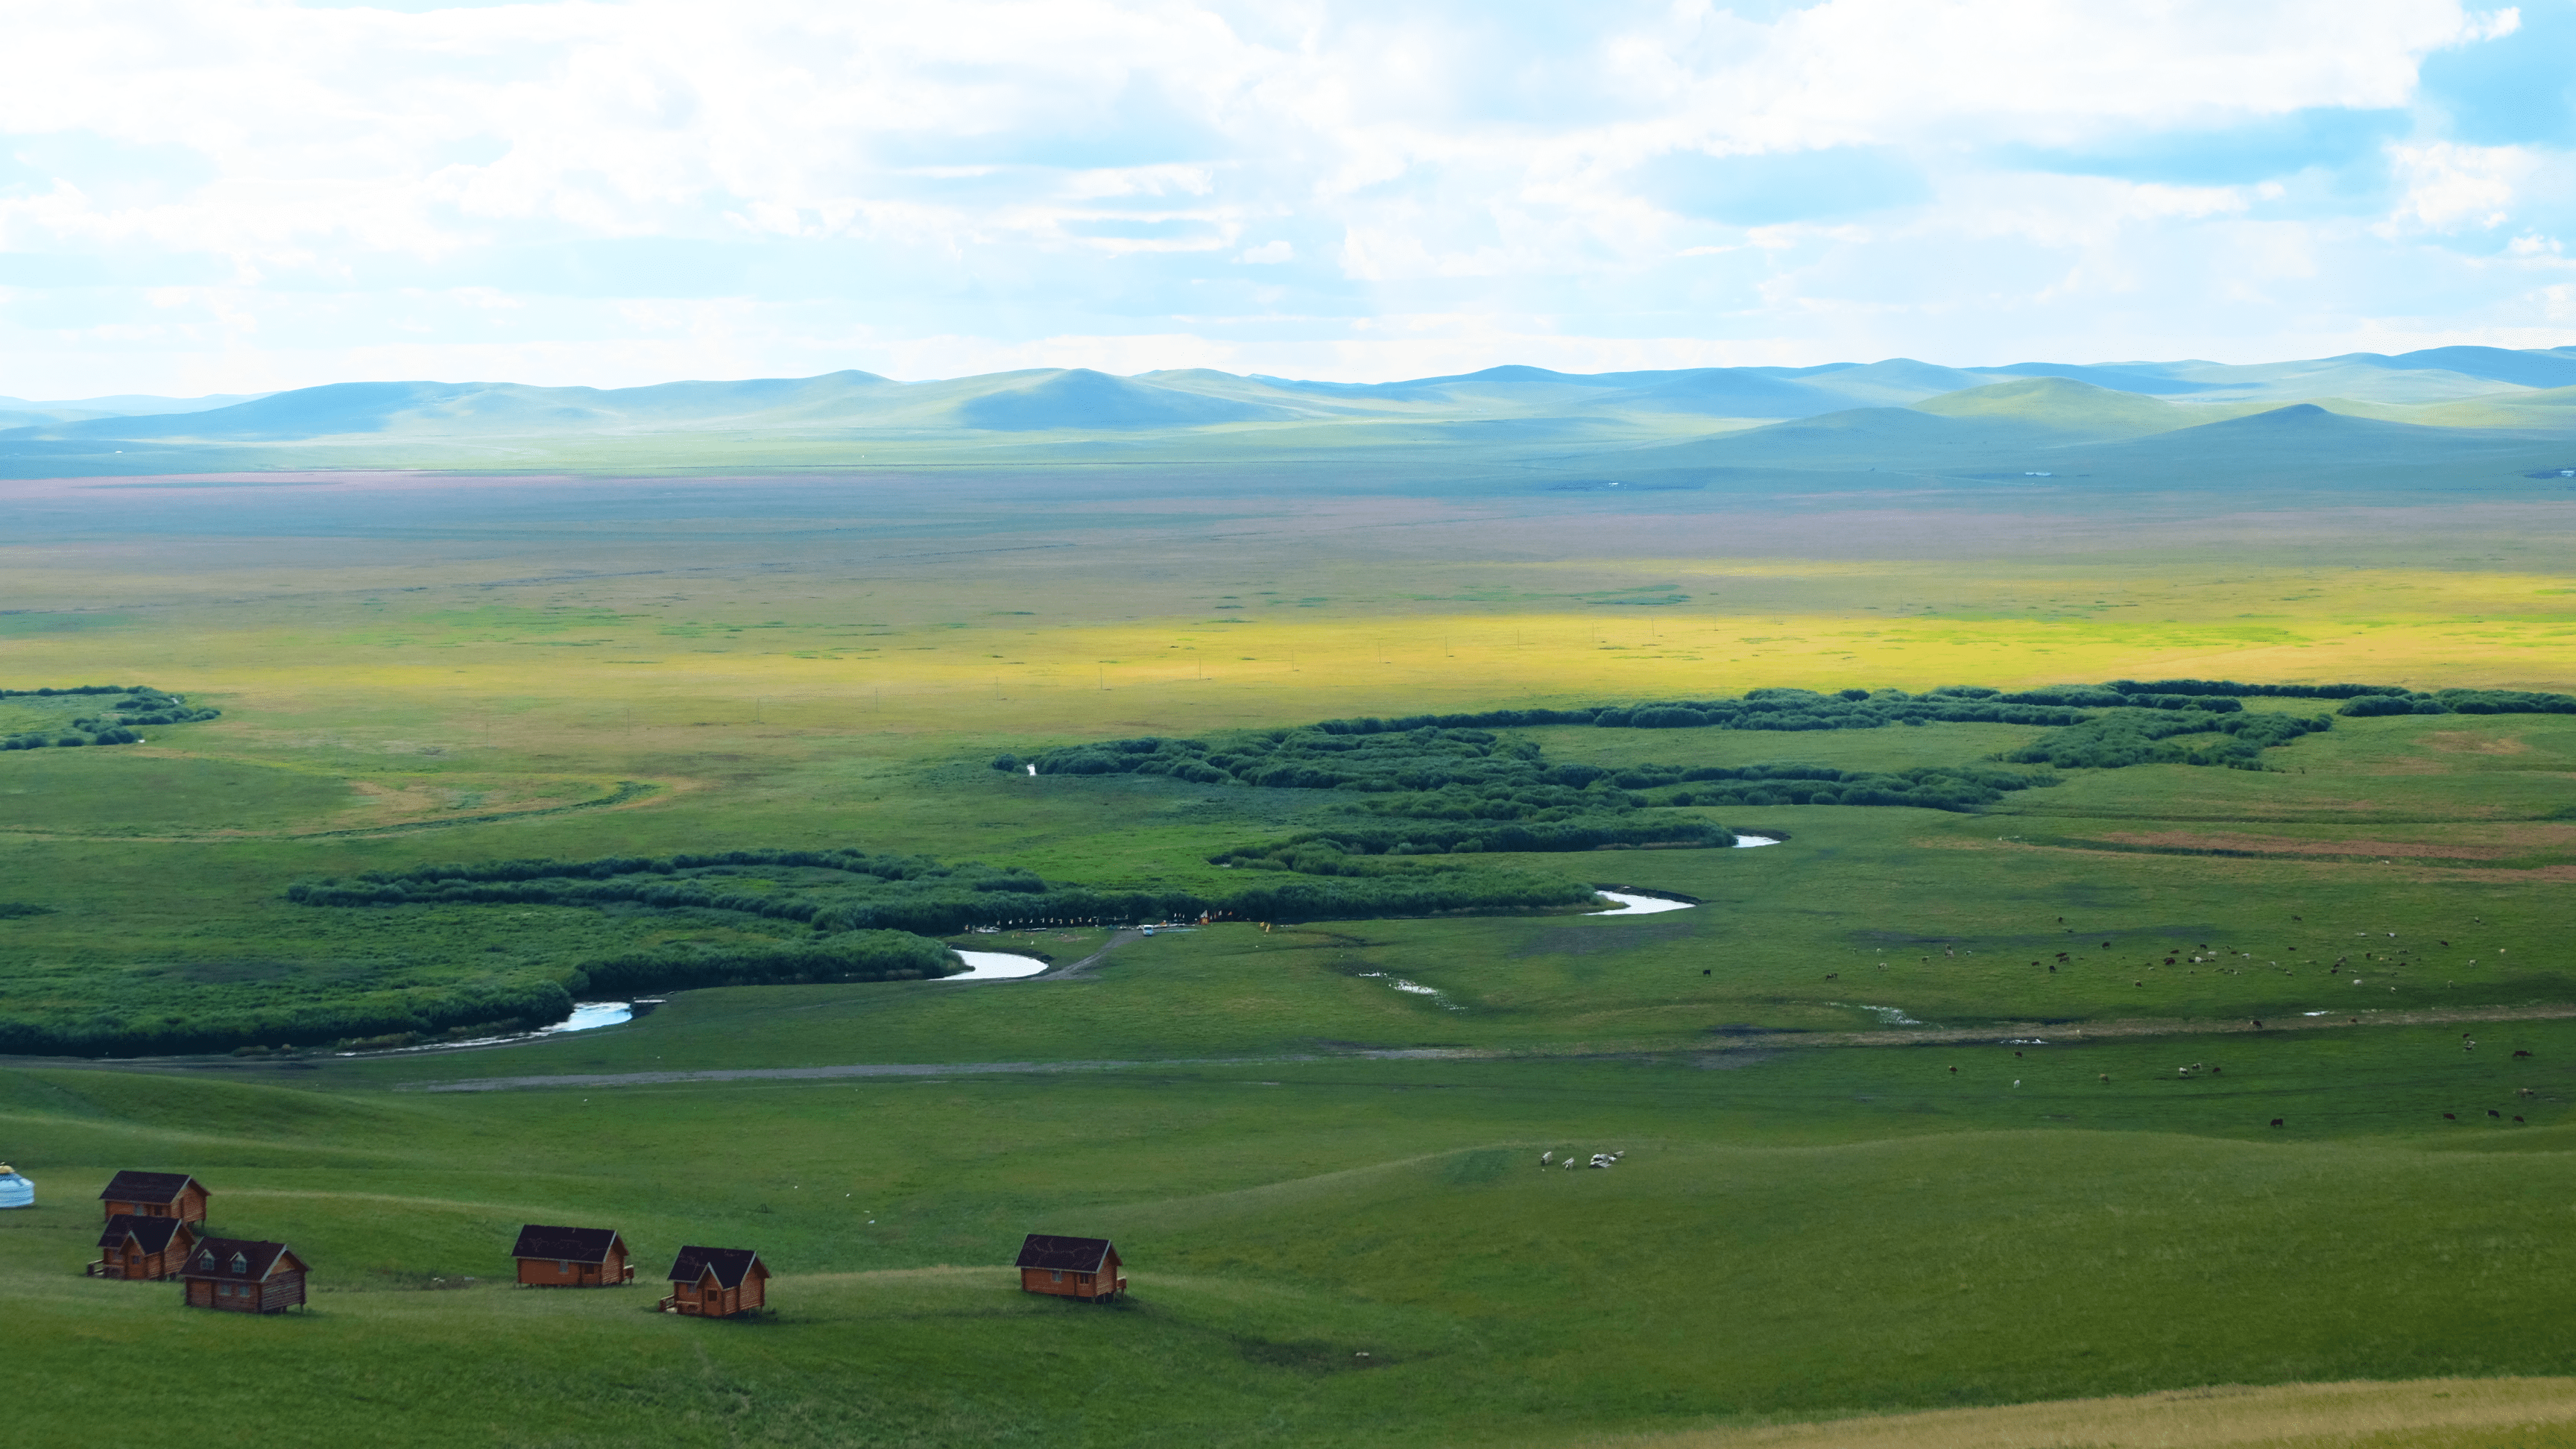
198 196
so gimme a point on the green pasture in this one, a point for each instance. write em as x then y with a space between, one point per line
1816 1215
1794 1233
2425 826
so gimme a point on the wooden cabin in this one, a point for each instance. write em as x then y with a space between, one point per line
1071 1267
571 1257
157 1195
134 1247
237 1275
717 1282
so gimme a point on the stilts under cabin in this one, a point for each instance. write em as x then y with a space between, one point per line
239 1275
156 1195
145 1248
571 1257
717 1282
1071 1267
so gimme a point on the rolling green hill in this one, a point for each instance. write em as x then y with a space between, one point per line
1838 417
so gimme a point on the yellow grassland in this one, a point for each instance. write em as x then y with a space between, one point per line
530 668
2422 1414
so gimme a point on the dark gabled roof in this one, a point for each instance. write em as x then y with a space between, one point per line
1063 1255
214 1259
564 1245
146 1187
150 1234
731 1265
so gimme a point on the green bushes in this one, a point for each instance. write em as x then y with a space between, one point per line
872 909
507 1001
1364 840
1451 767
2464 701
1927 787
141 707
2138 737
850 956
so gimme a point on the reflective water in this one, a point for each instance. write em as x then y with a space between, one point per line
995 966
1637 905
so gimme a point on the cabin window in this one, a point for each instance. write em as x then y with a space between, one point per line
1056 1277
563 1267
240 1263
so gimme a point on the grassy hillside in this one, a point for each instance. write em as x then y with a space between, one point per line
1281 1221
1504 418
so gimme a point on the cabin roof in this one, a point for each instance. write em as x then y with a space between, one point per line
152 1235
564 1245
730 1265
1064 1255
146 1187
214 1258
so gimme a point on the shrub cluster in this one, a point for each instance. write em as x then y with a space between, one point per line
2464 701
1344 850
1926 787
850 956
142 706
851 895
510 1001
2126 737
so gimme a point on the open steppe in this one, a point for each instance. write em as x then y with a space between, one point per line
1879 1160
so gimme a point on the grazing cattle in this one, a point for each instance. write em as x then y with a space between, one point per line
2517 1119
1569 1163
2492 1112
1707 973
2522 1054
1833 976
2276 1121
2447 1117
2106 1076
1545 1158
1954 1071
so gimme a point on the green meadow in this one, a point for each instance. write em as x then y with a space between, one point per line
1878 1157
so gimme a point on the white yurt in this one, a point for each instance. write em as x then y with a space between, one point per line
15 1191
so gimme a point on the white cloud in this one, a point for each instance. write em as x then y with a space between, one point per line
2449 187
555 186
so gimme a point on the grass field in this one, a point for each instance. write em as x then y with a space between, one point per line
1817 1217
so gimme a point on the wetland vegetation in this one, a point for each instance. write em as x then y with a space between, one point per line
1955 1097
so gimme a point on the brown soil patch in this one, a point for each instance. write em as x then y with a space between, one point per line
2462 742
2277 845
2189 1026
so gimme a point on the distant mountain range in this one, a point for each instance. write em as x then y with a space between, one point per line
1897 413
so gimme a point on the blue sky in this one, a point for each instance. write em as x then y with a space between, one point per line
200 197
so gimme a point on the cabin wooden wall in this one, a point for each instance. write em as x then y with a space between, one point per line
281 1291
